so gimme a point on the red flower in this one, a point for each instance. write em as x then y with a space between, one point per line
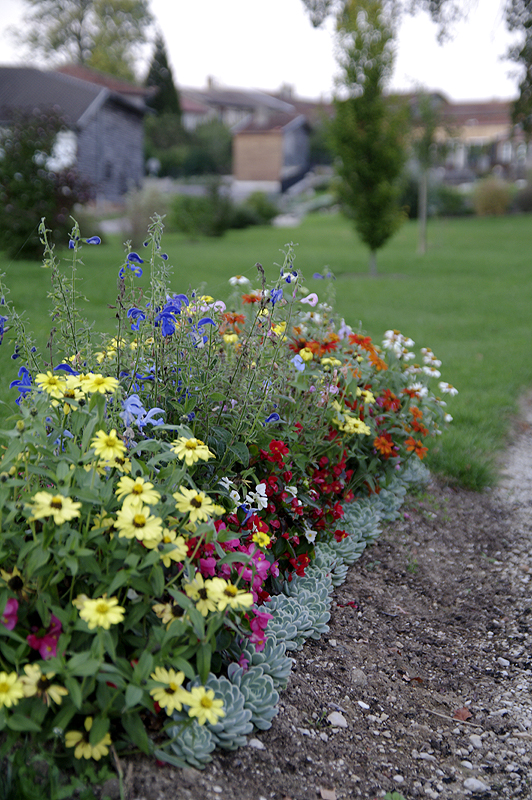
417 447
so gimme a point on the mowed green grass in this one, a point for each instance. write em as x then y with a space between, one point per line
469 299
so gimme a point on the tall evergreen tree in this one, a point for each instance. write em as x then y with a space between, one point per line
368 130
166 99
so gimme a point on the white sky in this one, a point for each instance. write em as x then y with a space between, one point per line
265 43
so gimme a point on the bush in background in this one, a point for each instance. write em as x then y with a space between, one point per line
492 196
139 209
29 189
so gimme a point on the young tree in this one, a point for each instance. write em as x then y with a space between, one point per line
368 130
425 122
165 100
103 34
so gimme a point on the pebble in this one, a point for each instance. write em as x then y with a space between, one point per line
467 764
398 779
257 744
503 662
358 677
337 720
362 704
476 741
217 789
427 757
474 785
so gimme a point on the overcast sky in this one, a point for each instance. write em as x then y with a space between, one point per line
265 43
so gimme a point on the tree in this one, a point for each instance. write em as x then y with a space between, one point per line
29 189
165 100
425 122
368 130
442 12
102 34
519 18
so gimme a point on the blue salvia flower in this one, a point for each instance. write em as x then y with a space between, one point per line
3 321
66 368
276 295
135 258
23 385
272 418
137 316
93 240
167 322
298 363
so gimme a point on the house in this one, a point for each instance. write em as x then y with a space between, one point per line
104 117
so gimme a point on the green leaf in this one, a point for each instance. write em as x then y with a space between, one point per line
19 722
82 664
134 695
74 690
144 666
162 755
121 577
157 581
136 731
203 661
100 726
241 453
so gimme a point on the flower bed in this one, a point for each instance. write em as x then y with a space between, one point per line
179 501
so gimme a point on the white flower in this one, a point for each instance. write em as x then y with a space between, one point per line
291 489
432 372
226 483
258 497
239 280
420 389
309 534
235 497
447 388
448 418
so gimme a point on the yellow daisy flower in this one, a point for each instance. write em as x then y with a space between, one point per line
102 612
62 509
205 593
108 446
197 504
84 749
204 707
11 689
50 383
135 520
171 694
100 383
35 683
191 450
179 551
137 489
230 595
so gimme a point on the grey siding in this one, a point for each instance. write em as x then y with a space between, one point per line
110 151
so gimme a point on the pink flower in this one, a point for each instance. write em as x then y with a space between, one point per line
311 299
208 566
46 643
10 616
243 662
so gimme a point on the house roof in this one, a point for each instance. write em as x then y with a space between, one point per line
269 122
222 97
28 88
494 112
115 85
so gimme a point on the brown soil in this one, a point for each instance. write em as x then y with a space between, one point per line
417 632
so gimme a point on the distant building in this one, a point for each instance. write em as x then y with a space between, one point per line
104 116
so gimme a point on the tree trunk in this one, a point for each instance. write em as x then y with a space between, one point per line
373 263
422 212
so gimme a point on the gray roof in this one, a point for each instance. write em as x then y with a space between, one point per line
27 88
236 98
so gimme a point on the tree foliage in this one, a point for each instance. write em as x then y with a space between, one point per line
165 100
519 18
29 190
102 34
368 130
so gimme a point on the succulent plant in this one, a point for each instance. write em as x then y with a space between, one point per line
414 474
362 519
272 659
389 500
231 730
192 742
330 561
292 623
259 693
349 549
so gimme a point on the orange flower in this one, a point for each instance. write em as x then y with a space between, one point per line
384 445
413 445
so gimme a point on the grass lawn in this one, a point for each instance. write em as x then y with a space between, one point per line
469 299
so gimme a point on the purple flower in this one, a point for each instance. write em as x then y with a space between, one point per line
135 258
10 616
93 240
310 299
272 418
167 322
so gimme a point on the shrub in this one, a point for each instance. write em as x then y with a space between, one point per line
523 199
492 196
29 189
140 206
208 215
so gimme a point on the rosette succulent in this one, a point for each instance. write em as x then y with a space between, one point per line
259 693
